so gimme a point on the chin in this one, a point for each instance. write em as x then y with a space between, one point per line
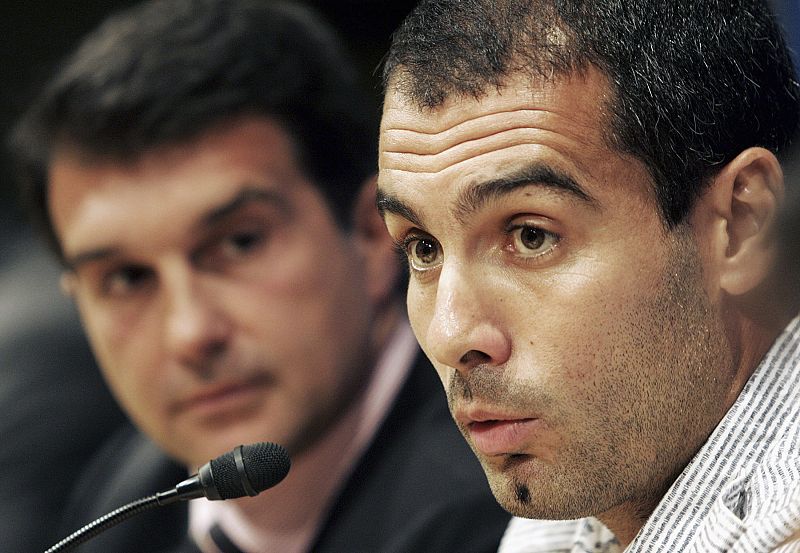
527 493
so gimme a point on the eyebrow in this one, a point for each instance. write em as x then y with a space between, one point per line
477 195
73 262
387 203
246 195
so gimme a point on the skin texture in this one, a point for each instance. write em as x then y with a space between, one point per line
222 300
587 351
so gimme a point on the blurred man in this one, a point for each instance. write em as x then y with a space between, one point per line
204 170
586 195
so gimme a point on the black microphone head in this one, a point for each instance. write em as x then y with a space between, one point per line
261 466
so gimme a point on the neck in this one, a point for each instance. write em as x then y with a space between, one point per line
626 520
293 510
308 480
751 335
749 339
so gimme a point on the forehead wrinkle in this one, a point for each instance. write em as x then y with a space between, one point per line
426 129
414 139
474 149
406 115
420 152
518 92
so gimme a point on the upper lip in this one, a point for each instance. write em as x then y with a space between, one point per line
467 416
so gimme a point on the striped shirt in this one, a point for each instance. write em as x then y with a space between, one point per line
740 493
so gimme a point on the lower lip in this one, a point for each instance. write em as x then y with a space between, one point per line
229 401
503 437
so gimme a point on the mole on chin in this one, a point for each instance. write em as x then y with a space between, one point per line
523 494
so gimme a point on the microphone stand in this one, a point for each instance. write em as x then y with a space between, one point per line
188 489
105 522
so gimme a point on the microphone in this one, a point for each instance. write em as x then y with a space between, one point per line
247 470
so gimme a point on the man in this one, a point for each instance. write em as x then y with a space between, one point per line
204 169
586 195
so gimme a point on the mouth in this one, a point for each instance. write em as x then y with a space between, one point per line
225 397
497 434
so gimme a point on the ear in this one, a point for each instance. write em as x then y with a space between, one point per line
375 245
741 205
68 284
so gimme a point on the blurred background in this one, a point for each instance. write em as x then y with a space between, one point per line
789 12
45 365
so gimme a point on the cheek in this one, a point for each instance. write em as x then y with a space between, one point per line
127 352
318 305
573 327
419 302
420 310
312 269
312 323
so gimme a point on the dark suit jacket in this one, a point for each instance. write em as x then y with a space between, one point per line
418 488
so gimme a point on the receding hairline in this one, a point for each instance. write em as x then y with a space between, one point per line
543 45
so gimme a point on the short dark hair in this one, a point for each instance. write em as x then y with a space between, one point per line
693 82
165 71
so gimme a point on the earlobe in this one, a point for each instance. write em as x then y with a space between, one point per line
747 194
67 282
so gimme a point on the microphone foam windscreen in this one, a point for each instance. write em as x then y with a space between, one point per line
265 464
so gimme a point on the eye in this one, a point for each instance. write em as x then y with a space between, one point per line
231 246
241 242
125 280
423 253
530 240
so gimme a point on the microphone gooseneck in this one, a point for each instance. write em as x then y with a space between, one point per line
247 470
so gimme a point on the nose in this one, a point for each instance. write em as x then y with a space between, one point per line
197 331
465 331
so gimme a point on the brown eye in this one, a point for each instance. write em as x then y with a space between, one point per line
531 241
532 238
423 253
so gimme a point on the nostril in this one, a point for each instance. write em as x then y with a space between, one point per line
474 357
